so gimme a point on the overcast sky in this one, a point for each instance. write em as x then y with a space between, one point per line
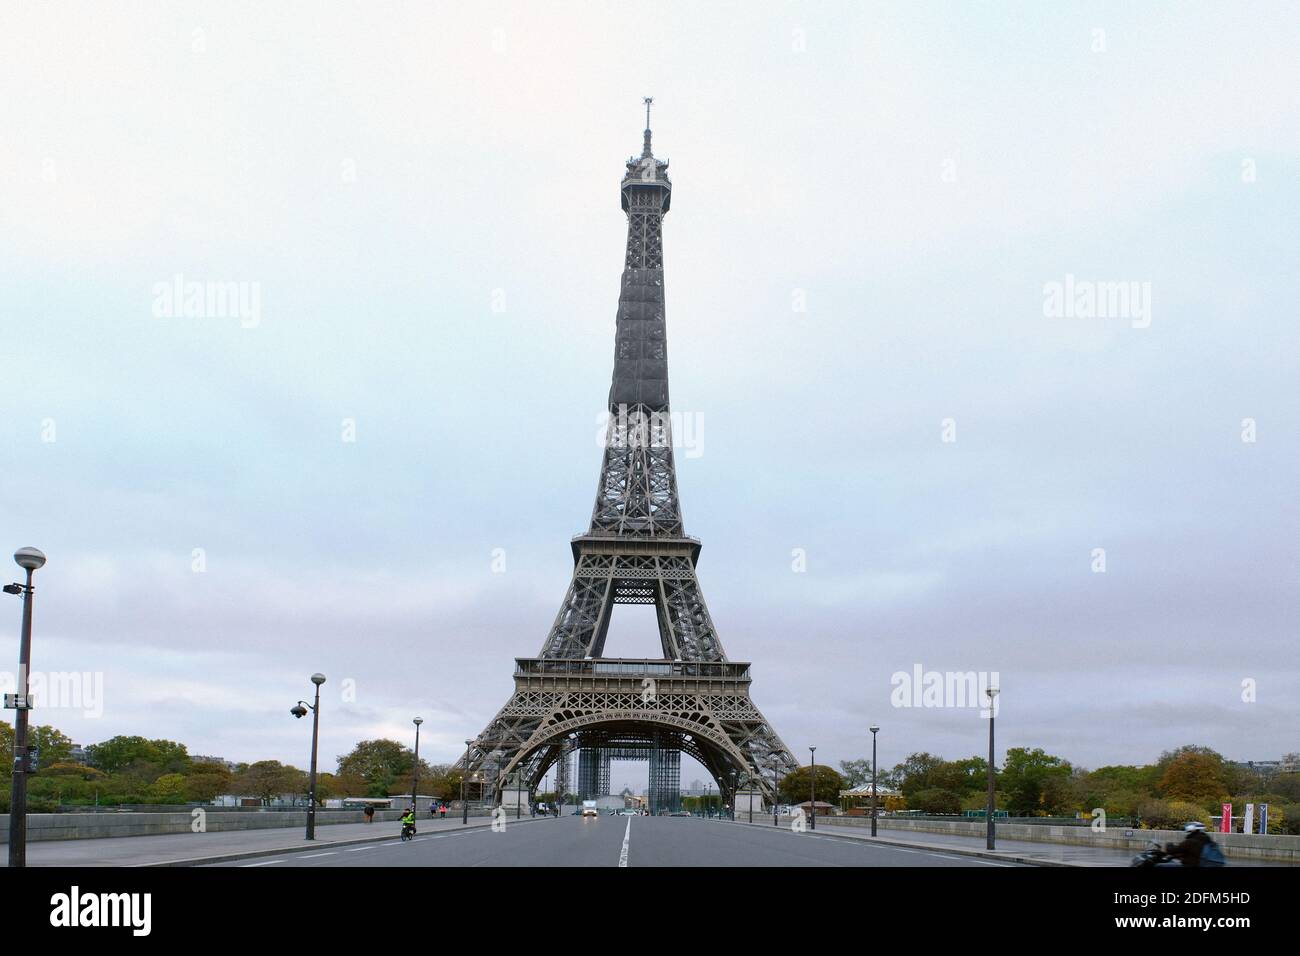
421 202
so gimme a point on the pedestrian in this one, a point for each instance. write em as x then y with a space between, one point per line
443 811
369 813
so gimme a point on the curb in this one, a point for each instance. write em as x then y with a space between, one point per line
940 848
298 848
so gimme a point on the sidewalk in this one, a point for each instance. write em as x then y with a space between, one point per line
181 849
1026 851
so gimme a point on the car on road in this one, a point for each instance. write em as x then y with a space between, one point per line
589 808
628 812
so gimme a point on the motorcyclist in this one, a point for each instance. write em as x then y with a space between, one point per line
1188 852
408 819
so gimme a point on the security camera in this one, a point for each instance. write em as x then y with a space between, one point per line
298 710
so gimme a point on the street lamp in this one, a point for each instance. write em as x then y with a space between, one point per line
29 559
749 789
992 692
415 780
464 804
776 787
300 710
874 730
813 802
992 799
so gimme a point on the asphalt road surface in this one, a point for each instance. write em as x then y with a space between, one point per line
620 841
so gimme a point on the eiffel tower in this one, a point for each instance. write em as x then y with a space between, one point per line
571 697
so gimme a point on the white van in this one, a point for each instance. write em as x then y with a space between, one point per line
589 808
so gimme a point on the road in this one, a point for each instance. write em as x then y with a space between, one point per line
620 841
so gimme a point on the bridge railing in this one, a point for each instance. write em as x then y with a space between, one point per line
619 667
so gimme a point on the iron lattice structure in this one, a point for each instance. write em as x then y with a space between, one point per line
693 700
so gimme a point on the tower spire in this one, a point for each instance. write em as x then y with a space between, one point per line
645 150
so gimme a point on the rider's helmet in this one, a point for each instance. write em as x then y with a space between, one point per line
1194 827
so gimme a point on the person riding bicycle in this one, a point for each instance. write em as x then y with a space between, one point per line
1192 851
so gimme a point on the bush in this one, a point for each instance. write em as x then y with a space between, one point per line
1290 821
1170 814
935 801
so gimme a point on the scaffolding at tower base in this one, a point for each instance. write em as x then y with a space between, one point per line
664 792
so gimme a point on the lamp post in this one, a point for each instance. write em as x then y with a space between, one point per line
29 559
464 804
874 730
415 780
749 790
989 840
812 804
300 711
776 788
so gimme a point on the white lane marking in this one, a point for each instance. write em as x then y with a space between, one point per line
313 856
627 835
265 863
358 849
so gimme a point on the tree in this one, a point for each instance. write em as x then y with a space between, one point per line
935 801
53 744
1194 775
267 779
169 788
149 758
207 782
925 771
1036 783
797 787
379 762
856 773
914 774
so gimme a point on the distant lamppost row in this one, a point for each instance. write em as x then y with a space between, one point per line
990 809
874 730
813 802
29 559
464 804
300 710
415 780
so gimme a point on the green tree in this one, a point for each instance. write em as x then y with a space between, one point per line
797 787
55 746
380 763
935 800
856 773
916 773
207 782
169 788
1036 783
149 758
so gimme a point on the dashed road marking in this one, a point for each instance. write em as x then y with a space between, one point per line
627 835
